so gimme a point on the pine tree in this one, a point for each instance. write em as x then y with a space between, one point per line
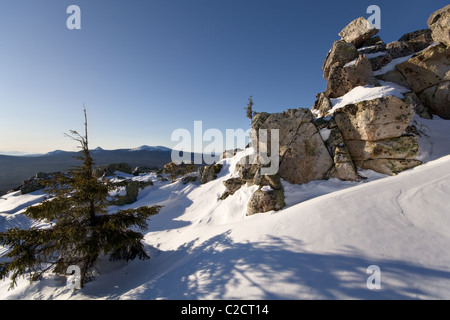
79 230
249 108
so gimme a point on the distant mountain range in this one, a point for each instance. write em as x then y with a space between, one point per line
16 168
98 149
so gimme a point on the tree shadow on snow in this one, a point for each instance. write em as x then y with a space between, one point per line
276 268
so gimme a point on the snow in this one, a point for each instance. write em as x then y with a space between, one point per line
391 65
316 113
363 49
351 63
325 133
375 55
368 92
318 247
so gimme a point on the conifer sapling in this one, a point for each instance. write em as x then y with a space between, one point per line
78 227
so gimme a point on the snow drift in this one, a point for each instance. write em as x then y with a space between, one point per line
319 247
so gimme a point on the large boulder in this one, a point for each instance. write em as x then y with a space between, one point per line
340 54
399 49
410 43
358 31
394 76
437 98
353 74
388 166
423 35
404 147
427 68
344 168
377 119
266 199
439 23
302 152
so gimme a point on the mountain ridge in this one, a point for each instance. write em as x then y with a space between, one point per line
15 169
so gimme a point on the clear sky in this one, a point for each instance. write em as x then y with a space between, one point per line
144 68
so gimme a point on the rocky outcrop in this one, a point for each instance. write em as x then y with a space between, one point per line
439 23
416 60
372 120
373 134
302 152
35 183
426 70
428 74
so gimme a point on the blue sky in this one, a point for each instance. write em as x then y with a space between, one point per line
145 68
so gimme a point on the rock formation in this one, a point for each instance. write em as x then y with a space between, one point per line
374 134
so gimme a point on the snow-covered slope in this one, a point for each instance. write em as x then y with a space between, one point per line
319 247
